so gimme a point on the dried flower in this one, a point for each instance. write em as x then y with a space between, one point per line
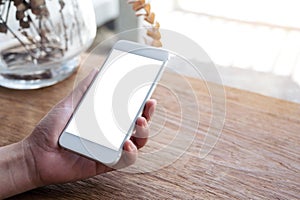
144 9
20 15
3 28
38 7
17 2
29 25
24 24
24 11
21 6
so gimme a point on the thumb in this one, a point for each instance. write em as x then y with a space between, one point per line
57 118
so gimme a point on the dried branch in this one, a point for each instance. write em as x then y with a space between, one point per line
65 27
142 8
21 42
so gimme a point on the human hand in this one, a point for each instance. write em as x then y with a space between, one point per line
50 164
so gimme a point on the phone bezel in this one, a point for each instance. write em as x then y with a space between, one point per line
96 151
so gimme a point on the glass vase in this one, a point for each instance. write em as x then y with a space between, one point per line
41 40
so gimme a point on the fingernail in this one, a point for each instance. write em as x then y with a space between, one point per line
151 111
145 124
131 147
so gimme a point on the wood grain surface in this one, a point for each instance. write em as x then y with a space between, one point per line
256 156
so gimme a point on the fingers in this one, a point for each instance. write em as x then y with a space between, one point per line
140 137
129 155
149 109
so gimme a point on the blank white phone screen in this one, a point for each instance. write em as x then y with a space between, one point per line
111 105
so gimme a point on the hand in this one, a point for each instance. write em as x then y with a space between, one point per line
49 163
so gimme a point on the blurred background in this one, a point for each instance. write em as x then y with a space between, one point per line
255 44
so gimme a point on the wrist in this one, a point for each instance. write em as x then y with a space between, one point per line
16 170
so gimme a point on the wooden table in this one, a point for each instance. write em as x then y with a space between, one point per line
256 157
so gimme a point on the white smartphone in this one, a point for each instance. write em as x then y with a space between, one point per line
105 117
